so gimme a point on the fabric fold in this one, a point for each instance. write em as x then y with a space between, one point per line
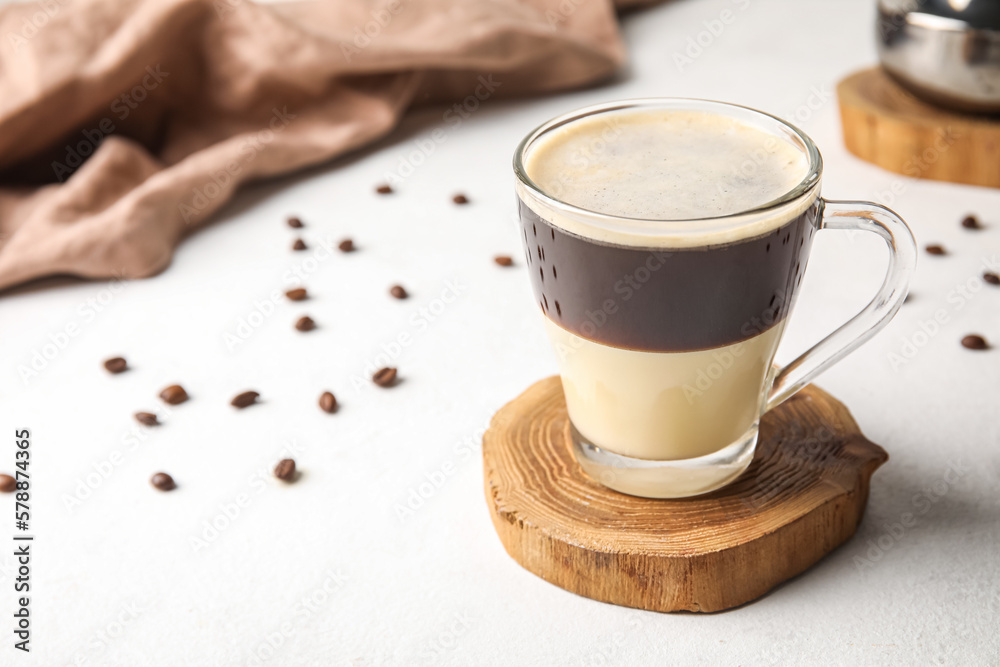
126 124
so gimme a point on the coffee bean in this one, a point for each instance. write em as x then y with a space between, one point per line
305 323
384 377
163 481
971 222
147 419
299 245
116 365
935 249
285 470
7 484
347 245
398 292
503 260
991 278
460 199
174 395
328 402
975 342
297 294
384 189
294 222
246 399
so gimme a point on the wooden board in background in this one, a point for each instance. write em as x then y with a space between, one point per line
886 125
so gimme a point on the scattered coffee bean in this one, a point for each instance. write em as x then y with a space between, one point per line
163 481
347 245
295 222
7 484
285 470
174 395
975 342
299 245
971 222
297 294
398 292
328 402
116 365
305 323
460 199
503 260
147 419
935 249
244 400
384 189
384 377
991 278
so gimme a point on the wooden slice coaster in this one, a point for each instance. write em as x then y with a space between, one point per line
803 496
886 125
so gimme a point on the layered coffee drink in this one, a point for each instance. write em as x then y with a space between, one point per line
666 282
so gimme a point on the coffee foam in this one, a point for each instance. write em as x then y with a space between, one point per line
663 174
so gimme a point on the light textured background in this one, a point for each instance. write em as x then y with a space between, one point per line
118 582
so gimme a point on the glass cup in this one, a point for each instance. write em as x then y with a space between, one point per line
666 329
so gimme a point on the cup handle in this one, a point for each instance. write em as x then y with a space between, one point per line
860 216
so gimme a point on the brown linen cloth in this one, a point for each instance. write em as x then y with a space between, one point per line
125 123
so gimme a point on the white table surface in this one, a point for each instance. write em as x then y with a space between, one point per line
327 571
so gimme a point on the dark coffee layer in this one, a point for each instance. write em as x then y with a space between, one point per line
664 299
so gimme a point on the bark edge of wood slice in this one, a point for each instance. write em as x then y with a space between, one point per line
803 495
886 125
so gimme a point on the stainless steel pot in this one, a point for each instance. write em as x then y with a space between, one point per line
946 52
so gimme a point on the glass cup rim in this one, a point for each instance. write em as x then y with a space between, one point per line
657 226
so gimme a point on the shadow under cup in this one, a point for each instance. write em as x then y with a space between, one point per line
666 330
